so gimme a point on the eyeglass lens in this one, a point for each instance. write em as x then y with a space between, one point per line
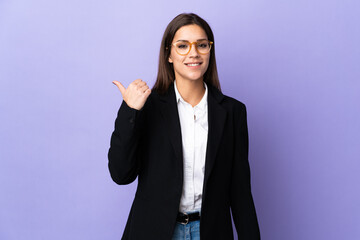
202 47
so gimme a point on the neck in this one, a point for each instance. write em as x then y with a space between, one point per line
191 91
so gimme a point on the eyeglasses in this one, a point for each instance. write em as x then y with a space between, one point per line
184 47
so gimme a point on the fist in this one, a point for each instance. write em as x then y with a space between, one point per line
136 94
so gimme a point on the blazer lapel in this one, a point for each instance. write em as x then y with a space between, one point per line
170 113
216 122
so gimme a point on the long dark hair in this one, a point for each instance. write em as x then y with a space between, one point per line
166 73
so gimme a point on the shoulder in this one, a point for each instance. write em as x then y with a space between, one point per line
236 108
226 101
234 102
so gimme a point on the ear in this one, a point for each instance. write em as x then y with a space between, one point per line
170 60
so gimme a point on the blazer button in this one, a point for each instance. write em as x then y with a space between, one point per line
131 120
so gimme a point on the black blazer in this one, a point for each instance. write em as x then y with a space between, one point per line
147 144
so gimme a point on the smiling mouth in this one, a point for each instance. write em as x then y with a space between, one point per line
192 64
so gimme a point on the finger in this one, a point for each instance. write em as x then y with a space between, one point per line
135 83
143 88
147 93
120 86
140 85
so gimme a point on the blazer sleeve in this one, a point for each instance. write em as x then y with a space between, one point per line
242 205
124 162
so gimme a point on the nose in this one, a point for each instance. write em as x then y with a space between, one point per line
193 51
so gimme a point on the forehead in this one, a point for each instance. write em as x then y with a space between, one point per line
190 33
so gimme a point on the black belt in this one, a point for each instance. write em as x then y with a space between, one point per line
184 218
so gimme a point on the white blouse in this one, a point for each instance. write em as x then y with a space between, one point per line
194 132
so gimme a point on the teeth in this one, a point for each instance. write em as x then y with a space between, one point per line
193 64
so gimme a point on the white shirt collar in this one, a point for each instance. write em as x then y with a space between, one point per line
203 102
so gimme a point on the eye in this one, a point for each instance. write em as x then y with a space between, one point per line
182 46
203 44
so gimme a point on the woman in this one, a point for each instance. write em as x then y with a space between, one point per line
187 143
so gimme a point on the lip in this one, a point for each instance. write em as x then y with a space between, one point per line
187 64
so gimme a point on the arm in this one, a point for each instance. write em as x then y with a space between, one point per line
123 154
123 161
242 205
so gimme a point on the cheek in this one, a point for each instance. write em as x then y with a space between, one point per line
176 58
207 62
178 61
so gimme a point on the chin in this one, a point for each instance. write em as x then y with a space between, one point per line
191 76
195 77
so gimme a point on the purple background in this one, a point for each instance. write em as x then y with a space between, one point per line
295 64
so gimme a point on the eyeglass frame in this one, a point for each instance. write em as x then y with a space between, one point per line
191 43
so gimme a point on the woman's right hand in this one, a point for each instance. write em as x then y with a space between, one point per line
136 94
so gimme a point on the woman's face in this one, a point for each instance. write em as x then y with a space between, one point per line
192 66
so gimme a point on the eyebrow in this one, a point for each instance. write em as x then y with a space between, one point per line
189 41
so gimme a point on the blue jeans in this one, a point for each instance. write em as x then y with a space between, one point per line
190 231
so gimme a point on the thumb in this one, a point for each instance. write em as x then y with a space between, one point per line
120 86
